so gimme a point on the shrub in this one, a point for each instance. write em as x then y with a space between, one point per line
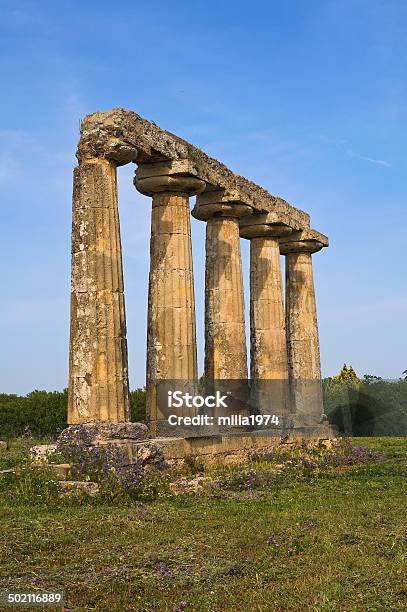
138 405
368 407
44 413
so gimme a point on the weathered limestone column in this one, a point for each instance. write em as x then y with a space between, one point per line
268 347
171 335
302 327
225 333
98 371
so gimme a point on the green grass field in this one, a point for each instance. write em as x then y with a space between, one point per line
324 540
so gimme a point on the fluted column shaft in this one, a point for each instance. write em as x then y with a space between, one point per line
225 334
171 331
268 348
302 337
98 370
171 344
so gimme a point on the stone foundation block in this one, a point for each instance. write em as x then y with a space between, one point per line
103 432
231 448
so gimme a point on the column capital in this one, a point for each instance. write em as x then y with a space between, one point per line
115 150
220 203
169 176
305 241
275 230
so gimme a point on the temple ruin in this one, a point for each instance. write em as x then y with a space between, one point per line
284 345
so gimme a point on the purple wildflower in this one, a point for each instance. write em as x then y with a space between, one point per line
308 463
273 542
162 570
308 526
361 454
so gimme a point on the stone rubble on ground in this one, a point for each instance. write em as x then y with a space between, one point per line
72 488
61 470
195 485
41 452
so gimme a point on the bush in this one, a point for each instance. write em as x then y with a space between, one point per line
368 407
44 413
137 405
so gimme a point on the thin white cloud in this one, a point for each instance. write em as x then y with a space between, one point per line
381 162
341 144
372 160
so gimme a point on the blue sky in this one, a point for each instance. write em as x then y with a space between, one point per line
307 98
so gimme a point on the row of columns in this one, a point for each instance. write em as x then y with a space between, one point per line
284 345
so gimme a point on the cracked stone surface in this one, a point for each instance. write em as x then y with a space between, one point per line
98 372
105 431
302 337
124 136
225 335
268 349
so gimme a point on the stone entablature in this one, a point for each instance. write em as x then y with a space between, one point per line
123 136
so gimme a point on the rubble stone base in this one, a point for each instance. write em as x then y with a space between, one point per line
227 448
210 449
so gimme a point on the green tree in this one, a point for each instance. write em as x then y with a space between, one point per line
346 374
138 404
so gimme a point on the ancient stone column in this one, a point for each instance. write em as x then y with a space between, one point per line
302 332
98 371
268 348
171 335
225 334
